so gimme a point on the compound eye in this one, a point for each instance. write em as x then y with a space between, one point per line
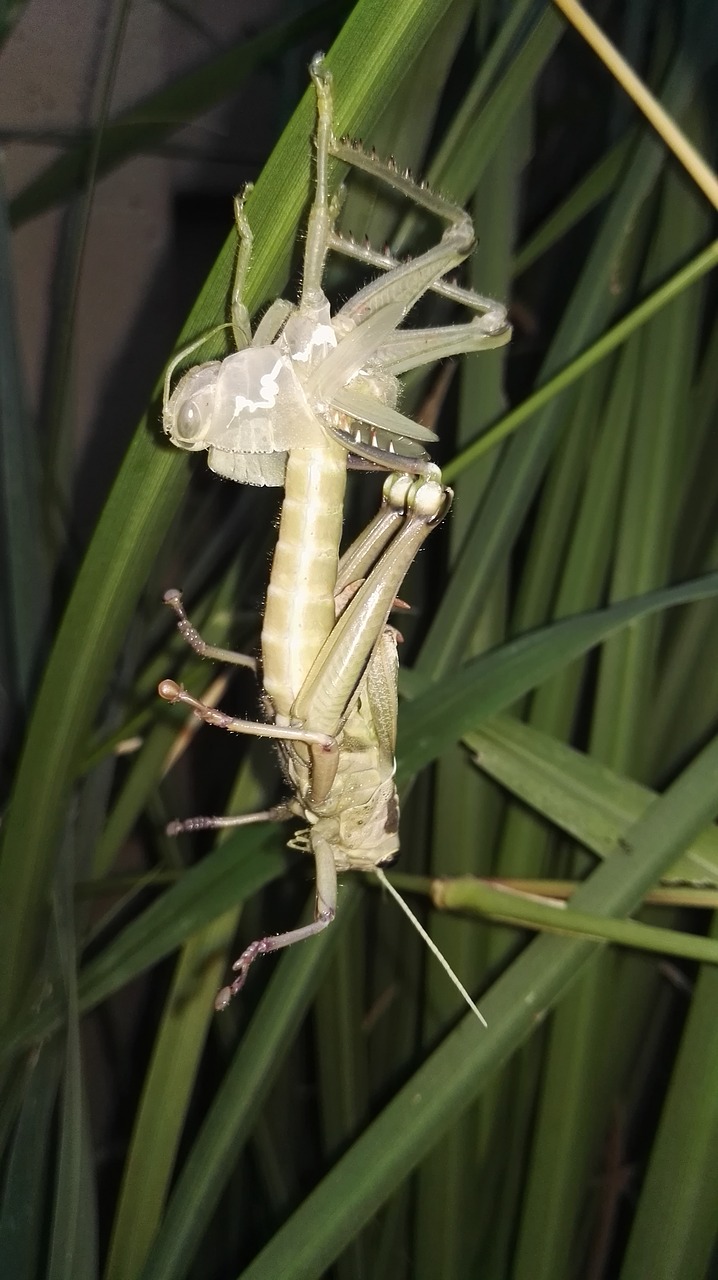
191 424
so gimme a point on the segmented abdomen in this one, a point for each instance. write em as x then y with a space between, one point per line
300 611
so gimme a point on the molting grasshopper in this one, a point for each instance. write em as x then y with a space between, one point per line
306 396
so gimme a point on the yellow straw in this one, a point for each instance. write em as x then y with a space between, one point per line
665 126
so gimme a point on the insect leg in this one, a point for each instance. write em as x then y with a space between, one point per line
411 348
192 637
324 913
494 312
241 327
407 281
272 322
276 315
366 549
333 679
324 743
278 813
386 171
321 214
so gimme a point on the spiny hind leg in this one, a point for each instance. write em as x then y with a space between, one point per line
386 171
342 659
364 552
324 912
457 241
412 348
352 153
491 313
406 281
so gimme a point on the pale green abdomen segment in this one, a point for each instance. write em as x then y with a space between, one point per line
300 609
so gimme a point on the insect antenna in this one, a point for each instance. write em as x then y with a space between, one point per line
381 877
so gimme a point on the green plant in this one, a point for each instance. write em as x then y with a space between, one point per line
577 512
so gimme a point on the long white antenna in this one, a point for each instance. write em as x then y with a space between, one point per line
430 944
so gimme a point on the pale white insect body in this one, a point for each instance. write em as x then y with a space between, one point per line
304 396
249 409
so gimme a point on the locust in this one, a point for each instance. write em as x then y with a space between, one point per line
308 395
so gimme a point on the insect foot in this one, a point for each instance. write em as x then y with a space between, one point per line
264 946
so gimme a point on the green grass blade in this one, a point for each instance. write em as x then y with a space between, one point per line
167 1090
73 1242
481 124
585 798
465 816
597 184
467 894
673 1235
171 1075
28 1161
132 524
440 174
58 410
237 1101
657 455
565 1149
445 710
686 276
233 872
462 1066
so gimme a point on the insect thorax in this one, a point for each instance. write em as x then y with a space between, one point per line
251 408
360 816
